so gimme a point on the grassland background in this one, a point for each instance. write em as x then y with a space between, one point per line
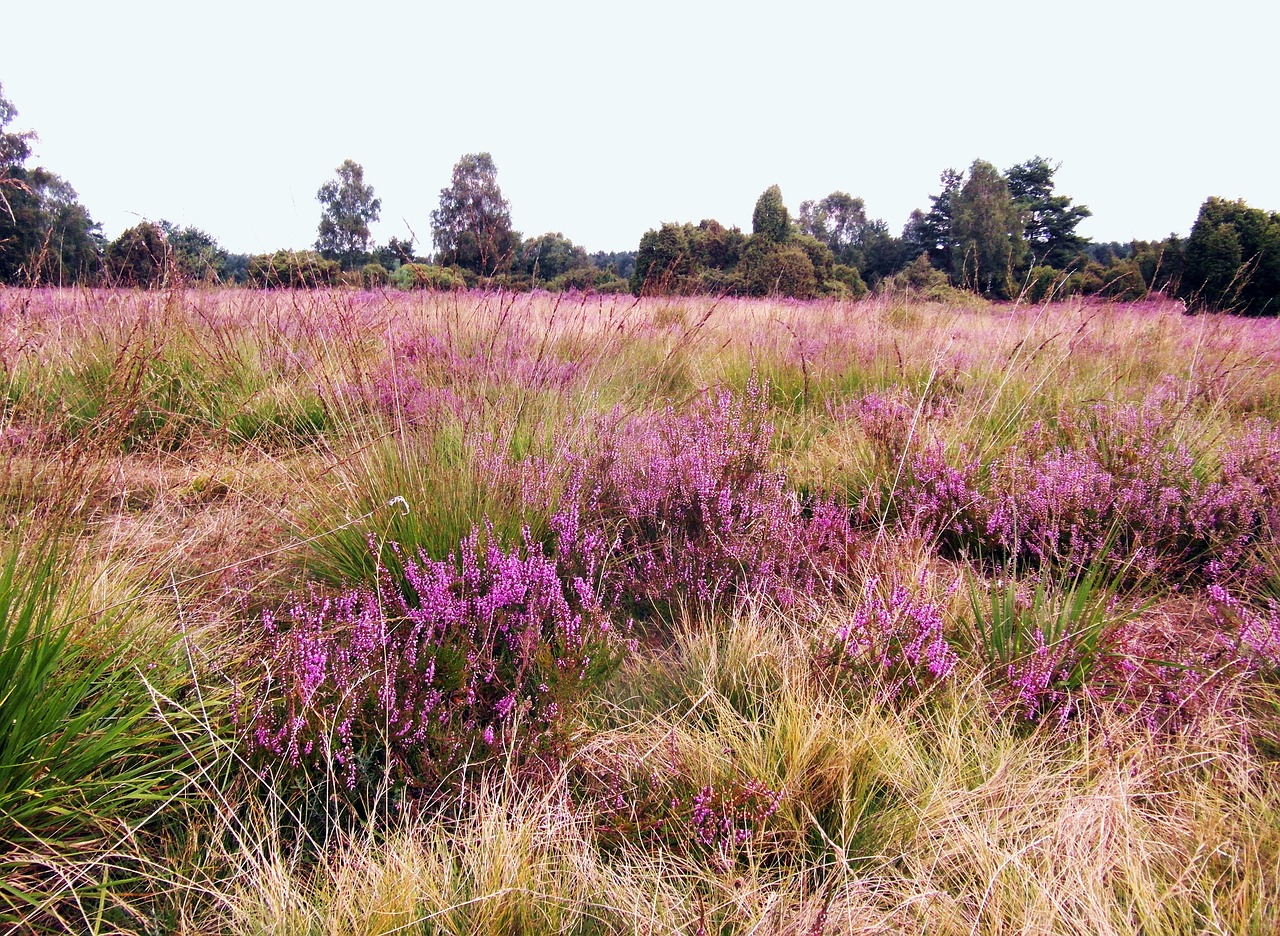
175 463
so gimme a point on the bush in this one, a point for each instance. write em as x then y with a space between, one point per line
293 269
845 283
1043 283
774 269
452 663
374 276
683 507
427 276
139 257
1123 282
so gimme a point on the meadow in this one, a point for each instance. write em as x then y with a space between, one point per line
365 612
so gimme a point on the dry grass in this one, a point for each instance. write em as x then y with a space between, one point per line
938 811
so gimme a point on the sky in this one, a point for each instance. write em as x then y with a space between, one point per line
605 120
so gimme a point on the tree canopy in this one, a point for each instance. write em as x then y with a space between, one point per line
472 226
1049 220
46 235
348 208
1231 261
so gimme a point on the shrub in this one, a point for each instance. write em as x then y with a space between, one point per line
1123 282
684 507
452 662
779 269
898 642
374 276
293 269
427 276
849 280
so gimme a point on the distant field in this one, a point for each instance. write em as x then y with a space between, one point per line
382 612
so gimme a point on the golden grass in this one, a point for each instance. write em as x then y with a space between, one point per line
939 812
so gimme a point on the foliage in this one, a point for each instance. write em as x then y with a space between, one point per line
620 263
86 750
426 276
139 257
1123 281
46 235
394 253
897 641
548 256
840 221
472 226
461 660
348 207
374 276
196 256
1050 220
664 263
292 269
986 233
931 233
1231 261
775 269
770 219
684 508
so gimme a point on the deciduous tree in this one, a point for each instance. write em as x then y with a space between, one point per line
348 208
472 226
46 235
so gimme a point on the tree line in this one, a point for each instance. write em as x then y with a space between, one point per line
999 234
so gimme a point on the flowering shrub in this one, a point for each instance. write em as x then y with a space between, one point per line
686 507
1117 483
1054 650
461 660
1257 637
899 638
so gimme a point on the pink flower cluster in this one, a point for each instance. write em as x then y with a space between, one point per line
459 657
686 508
900 638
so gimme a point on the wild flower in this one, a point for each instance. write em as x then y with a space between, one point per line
688 509
489 649
898 642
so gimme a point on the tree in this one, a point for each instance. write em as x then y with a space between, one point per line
1231 261
139 257
840 222
1050 220
472 226
665 262
46 235
550 255
770 219
395 253
197 256
349 207
931 233
986 233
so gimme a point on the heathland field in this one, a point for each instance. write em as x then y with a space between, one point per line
362 612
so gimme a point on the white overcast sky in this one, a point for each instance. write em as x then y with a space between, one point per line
607 119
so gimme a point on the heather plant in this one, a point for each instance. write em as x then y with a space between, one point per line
692 512
454 661
895 643
670 798
1049 643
